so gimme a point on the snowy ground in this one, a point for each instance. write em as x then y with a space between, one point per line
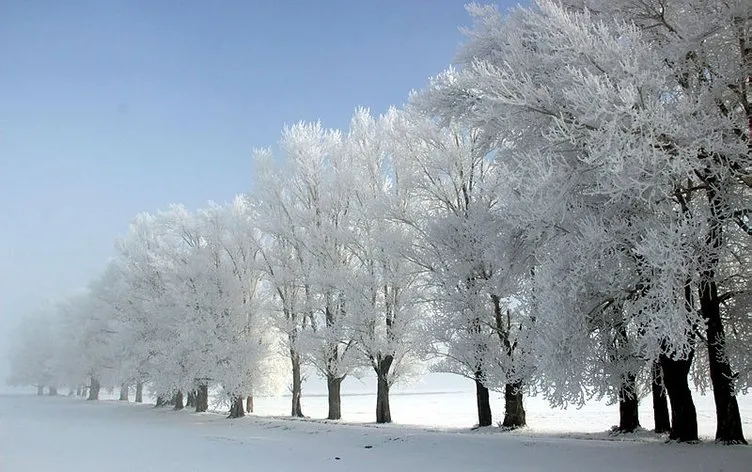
444 401
67 434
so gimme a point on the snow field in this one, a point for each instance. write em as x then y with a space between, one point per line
68 434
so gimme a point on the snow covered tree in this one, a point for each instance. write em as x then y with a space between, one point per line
620 123
382 283
321 194
704 46
284 261
34 351
139 291
86 334
475 264
245 346
184 290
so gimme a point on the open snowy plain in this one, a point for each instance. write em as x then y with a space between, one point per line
433 433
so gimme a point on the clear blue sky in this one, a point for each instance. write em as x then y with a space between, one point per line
110 108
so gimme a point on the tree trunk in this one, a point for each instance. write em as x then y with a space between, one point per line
249 404
52 391
80 391
236 408
629 419
202 398
728 419
297 384
178 401
383 411
484 404
333 385
160 402
660 402
40 390
139 392
93 389
683 412
514 409
191 399
123 393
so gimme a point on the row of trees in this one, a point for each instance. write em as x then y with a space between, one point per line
566 213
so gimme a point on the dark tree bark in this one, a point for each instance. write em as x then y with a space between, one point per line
80 391
483 401
52 391
675 372
514 409
333 385
160 402
202 398
124 393
249 404
93 389
297 384
139 392
191 399
383 411
728 419
660 401
40 390
177 400
629 419
236 408
683 412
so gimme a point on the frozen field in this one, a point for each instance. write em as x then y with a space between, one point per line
448 402
66 434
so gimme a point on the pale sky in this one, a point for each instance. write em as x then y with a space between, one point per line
111 108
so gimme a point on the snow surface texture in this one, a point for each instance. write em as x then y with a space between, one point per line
66 434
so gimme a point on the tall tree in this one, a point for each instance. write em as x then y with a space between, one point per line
473 261
382 284
593 112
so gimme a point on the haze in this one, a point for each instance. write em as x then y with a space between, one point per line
111 109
